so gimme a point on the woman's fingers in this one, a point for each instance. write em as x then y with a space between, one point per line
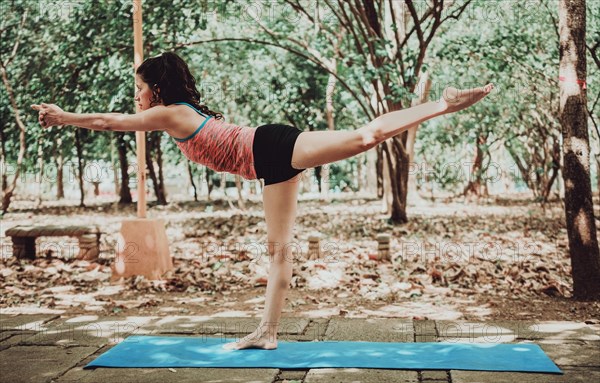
47 111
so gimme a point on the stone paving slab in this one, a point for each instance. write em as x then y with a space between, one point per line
24 322
29 351
437 375
77 373
248 325
191 375
316 330
498 338
426 338
569 354
360 375
580 375
464 329
565 330
292 374
370 330
138 325
66 337
564 353
12 338
212 325
38 364
163 375
519 330
424 327
88 330
21 334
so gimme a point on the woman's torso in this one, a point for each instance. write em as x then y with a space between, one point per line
220 146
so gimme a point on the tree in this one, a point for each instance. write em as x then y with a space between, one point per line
581 226
13 28
379 61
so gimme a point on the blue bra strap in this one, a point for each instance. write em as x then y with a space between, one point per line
193 134
191 106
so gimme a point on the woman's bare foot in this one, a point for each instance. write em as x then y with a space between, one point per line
454 99
255 340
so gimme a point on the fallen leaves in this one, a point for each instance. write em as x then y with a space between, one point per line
221 252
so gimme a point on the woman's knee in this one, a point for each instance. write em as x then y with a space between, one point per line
283 251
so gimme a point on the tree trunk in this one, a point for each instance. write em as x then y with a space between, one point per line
379 170
224 189
150 148
371 179
125 192
191 179
397 161
555 167
598 174
581 226
238 186
150 165
422 92
3 169
474 187
80 166
39 178
114 164
223 184
359 172
318 172
209 183
60 168
159 161
330 126
9 190
386 200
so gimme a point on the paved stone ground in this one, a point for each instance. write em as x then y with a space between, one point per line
50 348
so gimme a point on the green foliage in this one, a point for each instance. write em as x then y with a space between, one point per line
79 56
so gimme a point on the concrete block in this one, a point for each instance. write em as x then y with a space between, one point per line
580 375
38 364
24 322
370 330
181 375
360 375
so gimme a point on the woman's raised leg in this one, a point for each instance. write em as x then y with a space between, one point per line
280 201
323 147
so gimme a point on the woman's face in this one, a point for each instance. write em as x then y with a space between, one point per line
143 93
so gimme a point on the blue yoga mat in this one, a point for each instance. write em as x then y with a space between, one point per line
161 351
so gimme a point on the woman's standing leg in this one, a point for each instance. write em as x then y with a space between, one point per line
280 202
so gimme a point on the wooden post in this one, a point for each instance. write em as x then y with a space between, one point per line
140 137
383 247
143 247
89 247
314 247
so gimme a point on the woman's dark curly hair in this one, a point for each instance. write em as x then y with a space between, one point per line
177 84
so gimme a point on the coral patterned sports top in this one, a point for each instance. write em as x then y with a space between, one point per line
220 146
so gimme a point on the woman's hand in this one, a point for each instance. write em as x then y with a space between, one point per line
50 115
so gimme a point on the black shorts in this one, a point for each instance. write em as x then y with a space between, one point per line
272 149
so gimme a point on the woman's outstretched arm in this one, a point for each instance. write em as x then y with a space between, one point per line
156 118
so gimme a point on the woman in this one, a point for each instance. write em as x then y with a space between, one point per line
169 101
